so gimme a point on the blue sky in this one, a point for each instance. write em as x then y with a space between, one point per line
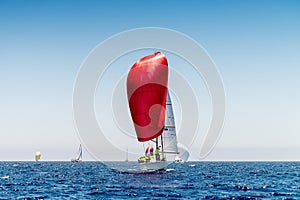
255 45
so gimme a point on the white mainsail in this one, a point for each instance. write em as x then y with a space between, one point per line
79 156
169 139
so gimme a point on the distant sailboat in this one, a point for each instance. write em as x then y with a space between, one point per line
146 89
37 156
183 156
78 158
126 160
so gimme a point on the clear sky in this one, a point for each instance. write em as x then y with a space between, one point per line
255 45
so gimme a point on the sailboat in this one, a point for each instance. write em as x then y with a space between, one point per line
183 155
126 160
151 110
37 156
78 158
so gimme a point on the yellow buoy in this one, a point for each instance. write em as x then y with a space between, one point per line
37 156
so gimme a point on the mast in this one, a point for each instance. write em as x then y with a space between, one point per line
80 154
162 143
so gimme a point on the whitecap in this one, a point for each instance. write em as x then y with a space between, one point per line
169 170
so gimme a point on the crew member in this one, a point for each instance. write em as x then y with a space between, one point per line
146 151
157 151
151 151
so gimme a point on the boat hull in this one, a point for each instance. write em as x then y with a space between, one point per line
73 160
153 166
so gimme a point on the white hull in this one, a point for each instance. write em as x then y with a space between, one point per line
178 159
152 166
74 160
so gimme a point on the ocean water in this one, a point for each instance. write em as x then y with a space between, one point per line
196 180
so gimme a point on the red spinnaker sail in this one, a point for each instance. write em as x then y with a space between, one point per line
147 85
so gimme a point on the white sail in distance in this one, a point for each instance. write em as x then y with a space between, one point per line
78 158
79 155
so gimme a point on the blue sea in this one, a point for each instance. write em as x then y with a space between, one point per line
196 180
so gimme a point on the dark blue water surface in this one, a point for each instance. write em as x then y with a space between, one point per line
200 180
